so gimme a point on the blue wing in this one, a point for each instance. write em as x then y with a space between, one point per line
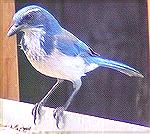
70 45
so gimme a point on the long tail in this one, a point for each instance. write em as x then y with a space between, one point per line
113 65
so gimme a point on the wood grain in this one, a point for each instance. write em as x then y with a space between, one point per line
9 86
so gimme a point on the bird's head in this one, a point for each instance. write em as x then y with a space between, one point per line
33 17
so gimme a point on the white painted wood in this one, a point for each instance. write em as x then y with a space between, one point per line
19 113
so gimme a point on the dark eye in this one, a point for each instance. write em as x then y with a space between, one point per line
27 17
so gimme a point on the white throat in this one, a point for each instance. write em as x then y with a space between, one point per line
33 36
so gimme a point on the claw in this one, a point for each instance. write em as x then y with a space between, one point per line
54 114
36 112
59 116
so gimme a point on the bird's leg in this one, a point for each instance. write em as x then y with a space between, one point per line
58 112
37 110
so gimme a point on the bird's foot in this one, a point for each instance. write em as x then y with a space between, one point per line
59 116
37 112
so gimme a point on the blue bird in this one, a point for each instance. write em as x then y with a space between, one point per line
55 52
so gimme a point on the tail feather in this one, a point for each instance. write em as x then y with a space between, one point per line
114 65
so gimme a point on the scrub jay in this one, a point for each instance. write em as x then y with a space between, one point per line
55 52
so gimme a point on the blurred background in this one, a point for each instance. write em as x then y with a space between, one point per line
116 29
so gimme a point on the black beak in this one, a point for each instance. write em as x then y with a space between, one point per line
13 30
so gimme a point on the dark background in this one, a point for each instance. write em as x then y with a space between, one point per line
116 29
